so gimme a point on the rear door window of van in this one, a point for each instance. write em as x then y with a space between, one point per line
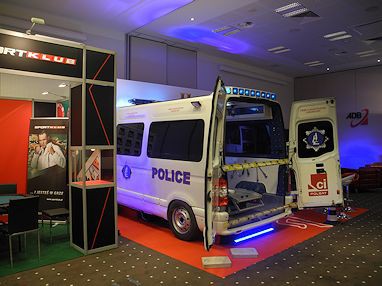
129 139
176 140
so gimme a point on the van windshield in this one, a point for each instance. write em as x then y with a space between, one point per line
254 128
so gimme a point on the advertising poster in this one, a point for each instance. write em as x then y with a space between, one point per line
62 109
47 161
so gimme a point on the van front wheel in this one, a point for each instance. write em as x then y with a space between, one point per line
182 221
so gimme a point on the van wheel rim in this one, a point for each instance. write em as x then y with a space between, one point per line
181 220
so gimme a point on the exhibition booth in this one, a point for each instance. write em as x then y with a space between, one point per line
67 163
62 147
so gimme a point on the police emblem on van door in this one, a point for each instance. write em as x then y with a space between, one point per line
126 172
315 139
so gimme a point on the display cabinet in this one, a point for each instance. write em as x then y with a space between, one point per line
93 207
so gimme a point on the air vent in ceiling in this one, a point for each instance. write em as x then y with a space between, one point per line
295 10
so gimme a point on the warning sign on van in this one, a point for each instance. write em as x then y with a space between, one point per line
318 185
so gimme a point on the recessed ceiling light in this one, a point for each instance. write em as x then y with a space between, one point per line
316 64
281 51
276 48
62 85
311 63
44 93
334 34
327 69
365 52
378 60
231 32
192 18
368 55
340 37
287 7
296 12
221 29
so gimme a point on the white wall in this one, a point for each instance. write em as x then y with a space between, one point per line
354 90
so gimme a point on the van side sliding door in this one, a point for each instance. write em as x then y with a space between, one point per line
313 151
214 161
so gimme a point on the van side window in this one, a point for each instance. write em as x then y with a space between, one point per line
129 139
176 140
315 138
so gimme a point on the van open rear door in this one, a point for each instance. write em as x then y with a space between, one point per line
214 162
313 151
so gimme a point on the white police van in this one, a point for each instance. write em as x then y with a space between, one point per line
219 163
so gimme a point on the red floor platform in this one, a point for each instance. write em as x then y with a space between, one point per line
288 232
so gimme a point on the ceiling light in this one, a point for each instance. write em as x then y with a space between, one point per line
232 32
294 13
62 85
287 7
365 52
276 48
44 93
340 37
378 60
281 51
192 19
334 34
218 30
316 64
310 63
368 55
327 69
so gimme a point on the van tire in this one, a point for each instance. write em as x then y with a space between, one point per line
182 221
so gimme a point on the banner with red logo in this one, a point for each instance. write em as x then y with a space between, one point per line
23 54
318 185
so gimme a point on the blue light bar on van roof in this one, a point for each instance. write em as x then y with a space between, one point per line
250 92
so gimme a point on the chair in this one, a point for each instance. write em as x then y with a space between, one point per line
55 214
22 219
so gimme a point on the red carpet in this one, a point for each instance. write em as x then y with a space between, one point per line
288 232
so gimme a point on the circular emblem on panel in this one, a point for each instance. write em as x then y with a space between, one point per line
315 139
126 172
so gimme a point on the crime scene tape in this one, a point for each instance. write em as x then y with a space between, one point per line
244 166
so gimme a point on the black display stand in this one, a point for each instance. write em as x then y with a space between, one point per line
92 155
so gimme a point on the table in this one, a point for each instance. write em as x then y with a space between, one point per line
4 199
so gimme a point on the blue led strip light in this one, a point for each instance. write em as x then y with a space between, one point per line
254 235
